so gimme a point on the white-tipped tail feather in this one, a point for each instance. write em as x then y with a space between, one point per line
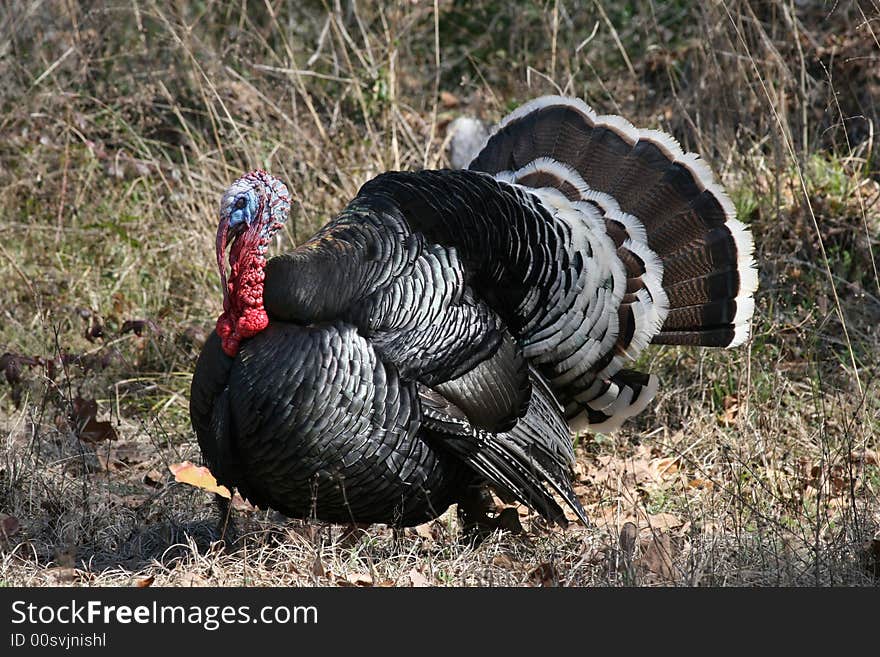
631 200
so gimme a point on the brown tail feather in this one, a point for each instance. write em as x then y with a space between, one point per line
689 221
673 234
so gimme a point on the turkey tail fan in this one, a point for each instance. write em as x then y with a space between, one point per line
669 196
687 260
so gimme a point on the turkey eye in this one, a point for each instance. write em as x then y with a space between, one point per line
239 203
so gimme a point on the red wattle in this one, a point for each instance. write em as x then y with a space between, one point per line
244 315
228 341
252 322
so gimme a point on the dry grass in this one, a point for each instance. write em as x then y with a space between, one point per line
122 123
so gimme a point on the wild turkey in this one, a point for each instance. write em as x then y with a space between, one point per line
449 327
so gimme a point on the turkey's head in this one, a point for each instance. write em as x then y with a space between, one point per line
252 209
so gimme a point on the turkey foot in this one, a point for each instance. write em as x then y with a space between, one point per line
226 529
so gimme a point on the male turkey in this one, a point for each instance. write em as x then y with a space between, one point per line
449 328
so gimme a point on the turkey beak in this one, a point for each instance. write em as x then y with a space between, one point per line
226 234
222 236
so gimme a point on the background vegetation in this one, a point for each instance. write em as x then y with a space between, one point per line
122 122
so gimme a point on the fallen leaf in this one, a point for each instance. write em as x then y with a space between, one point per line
130 453
198 476
95 330
87 427
9 526
701 483
730 403
64 575
831 480
448 99
616 517
108 462
609 517
663 521
318 569
657 553
355 579
544 575
865 456
145 582
504 561
839 480
626 474
153 478
137 326
417 579
241 504
424 531
665 467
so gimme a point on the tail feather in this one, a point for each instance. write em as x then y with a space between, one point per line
530 462
685 214
625 394
687 267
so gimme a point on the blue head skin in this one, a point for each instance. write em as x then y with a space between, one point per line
252 209
242 207
256 200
